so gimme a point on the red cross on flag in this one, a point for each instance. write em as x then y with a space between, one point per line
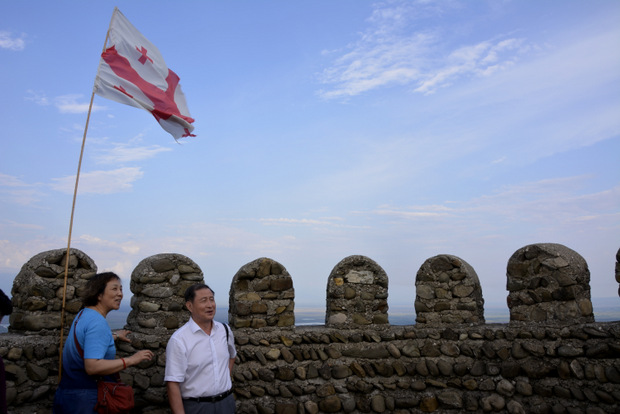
132 71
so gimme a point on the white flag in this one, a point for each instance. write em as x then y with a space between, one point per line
132 71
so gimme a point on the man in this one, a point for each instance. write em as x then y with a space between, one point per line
6 308
199 359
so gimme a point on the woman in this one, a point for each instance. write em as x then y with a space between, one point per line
77 391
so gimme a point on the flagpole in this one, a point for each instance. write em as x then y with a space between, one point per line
77 179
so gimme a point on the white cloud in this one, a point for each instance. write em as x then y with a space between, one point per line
482 59
14 251
11 257
17 191
292 221
12 42
100 182
97 243
389 53
314 224
37 97
206 239
415 212
11 181
24 226
70 104
537 204
121 153
369 66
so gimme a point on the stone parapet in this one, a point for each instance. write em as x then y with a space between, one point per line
409 369
400 369
158 285
38 288
548 283
448 292
261 295
551 358
357 292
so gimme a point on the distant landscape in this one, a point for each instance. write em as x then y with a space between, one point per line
605 310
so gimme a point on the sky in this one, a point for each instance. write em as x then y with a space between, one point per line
397 130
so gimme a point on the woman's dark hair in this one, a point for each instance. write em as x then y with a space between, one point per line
96 286
190 292
6 306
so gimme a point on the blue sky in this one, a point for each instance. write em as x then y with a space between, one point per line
398 130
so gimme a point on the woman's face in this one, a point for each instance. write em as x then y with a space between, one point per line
112 295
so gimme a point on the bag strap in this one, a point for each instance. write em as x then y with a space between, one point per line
116 376
77 343
226 327
227 337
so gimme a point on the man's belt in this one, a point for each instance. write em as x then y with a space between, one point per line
211 399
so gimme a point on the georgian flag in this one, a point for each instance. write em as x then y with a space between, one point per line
132 71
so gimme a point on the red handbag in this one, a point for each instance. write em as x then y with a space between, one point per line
112 397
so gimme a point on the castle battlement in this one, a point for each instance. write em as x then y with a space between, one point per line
551 357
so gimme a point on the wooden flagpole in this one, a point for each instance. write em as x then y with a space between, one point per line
77 179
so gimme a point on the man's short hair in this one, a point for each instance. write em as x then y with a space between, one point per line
190 292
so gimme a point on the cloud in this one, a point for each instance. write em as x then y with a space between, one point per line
11 42
415 212
382 56
11 256
304 221
10 181
24 226
315 224
482 59
15 190
15 251
97 243
208 239
538 204
66 104
69 104
100 182
121 153
37 97
389 53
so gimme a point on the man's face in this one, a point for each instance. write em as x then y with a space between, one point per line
202 307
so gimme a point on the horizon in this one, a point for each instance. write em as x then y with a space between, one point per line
607 310
604 301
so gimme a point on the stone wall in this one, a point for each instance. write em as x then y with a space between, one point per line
37 292
448 292
158 285
548 282
357 292
261 294
552 357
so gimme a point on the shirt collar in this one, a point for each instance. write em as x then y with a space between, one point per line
195 328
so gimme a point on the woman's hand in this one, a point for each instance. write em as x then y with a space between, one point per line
143 355
122 335
112 366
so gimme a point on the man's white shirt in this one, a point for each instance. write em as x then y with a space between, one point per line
200 362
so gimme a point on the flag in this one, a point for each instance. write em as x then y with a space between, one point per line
132 71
